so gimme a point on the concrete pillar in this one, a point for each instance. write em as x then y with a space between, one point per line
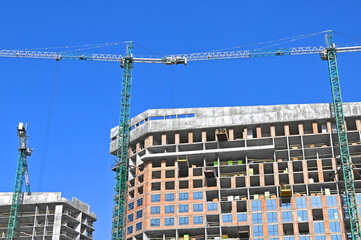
273 130
148 142
204 136
300 129
358 125
137 147
164 139
245 132
261 175
177 138
276 175
287 129
305 171
190 137
258 132
315 127
319 169
130 153
231 134
329 127
57 222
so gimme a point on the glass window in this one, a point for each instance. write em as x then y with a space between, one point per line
256 205
271 204
198 207
287 216
227 218
332 213
336 237
130 217
320 237
316 202
358 202
258 231
139 202
139 214
131 206
169 221
197 195
335 227
319 227
212 206
138 226
169 197
183 196
242 217
155 222
272 217
304 237
155 210
286 204
169 209
183 208
198 220
273 230
273 238
256 218
289 238
183 221
301 202
302 215
130 230
331 201
156 198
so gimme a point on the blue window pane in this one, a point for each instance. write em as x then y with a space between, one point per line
155 210
242 217
302 215
183 208
183 196
155 198
169 221
198 207
139 202
138 226
331 201
131 206
319 227
212 206
272 217
197 195
256 205
336 237
183 221
256 218
130 230
286 204
169 197
273 238
169 209
155 222
258 231
198 220
301 202
320 238
227 218
333 213
271 204
335 227
273 230
358 202
139 214
130 217
287 216
304 237
289 238
316 202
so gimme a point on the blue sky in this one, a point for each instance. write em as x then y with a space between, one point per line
71 105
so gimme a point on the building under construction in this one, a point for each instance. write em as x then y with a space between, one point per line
48 216
258 172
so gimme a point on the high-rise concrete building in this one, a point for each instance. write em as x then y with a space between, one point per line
259 172
48 216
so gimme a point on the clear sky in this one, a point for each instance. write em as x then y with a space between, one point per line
72 105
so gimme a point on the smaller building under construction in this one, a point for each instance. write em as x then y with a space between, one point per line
259 172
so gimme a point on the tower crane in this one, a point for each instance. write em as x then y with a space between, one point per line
21 174
126 62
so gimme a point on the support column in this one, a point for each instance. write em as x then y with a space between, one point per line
300 129
287 129
57 222
273 130
231 134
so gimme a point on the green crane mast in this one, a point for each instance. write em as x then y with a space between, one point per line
21 173
346 164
